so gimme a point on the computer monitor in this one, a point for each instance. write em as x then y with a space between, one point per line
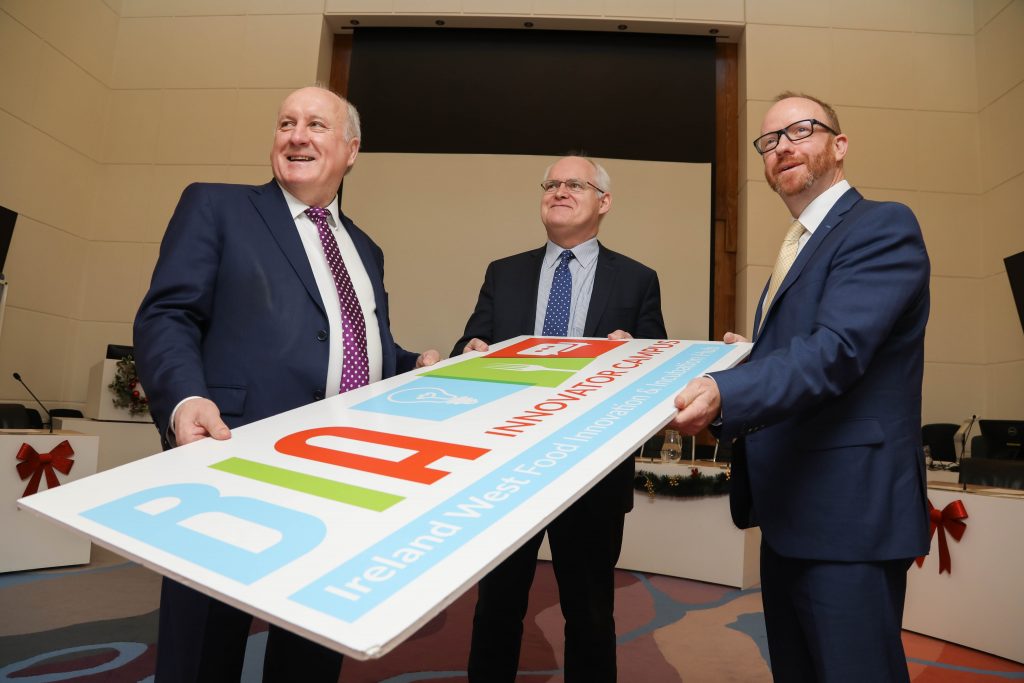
1003 438
1015 272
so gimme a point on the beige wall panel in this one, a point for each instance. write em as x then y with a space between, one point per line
251 175
18 86
35 345
168 184
192 126
384 6
710 10
945 16
986 10
503 7
116 277
70 104
132 126
788 58
1000 223
204 52
876 15
1002 325
467 210
44 268
44 179
756 278
882 144
84 30
424 7
284 6
767 222
859 58
954 311
252 132
944 72
938 170
89 348
1000 53
950 225
123 207
140 58
647 9
788 12
114 5
280 51
952 392
751 125
1005 384
181 8
569 8
1002 152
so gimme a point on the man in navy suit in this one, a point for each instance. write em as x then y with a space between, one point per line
609 295
244 319
826 412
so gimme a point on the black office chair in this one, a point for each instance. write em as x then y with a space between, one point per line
35 420
938 437
66 412
14 416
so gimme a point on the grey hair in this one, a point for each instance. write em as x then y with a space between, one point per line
352 129
604 181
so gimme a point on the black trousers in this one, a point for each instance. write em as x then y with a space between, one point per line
203 639
834 621
585 544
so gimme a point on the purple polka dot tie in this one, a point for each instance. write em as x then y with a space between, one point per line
355 367
556 316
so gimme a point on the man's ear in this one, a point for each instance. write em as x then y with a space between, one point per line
605 203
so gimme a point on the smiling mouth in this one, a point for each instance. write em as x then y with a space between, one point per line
299 158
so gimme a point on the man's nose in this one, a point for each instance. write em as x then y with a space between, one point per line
300 135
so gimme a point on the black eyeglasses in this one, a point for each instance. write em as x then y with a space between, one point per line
794 131
574 185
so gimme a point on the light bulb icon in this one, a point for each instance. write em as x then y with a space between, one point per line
429 395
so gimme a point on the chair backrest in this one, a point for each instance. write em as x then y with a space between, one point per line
35 420
66 412
938 436
14 416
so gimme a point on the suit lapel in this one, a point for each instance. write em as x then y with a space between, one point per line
527 313
270 204
832 219
604 280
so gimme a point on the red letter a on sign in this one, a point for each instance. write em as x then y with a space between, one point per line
411 468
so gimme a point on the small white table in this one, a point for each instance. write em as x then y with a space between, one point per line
27 541
692 538
980 602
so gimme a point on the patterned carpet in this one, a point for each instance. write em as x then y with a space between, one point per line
98 623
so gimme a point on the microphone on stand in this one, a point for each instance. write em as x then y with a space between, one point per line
963 442
49 417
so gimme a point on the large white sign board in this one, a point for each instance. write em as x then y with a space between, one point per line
356 519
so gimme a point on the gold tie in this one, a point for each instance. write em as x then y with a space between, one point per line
787 254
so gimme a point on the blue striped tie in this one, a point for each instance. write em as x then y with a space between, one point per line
556 317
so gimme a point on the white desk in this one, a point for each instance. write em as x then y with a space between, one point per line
120 442
692 538
27 541
980 603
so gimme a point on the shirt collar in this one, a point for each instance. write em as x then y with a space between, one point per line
298 210
816 211
586 253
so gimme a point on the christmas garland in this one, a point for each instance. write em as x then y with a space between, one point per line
678 486
126 388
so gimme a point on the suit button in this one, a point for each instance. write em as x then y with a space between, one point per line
321 336
318 394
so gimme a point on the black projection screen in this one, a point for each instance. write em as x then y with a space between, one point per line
441 109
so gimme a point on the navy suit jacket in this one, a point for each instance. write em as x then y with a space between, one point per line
626 296
827 407
233 312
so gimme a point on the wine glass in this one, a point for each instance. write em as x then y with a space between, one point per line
672 447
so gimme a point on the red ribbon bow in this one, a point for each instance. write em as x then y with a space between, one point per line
35 465
948 519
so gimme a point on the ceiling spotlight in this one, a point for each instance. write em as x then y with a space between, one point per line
439 22
354 22
623 27
713 31
528 24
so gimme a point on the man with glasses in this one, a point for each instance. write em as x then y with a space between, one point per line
572 286
826 412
